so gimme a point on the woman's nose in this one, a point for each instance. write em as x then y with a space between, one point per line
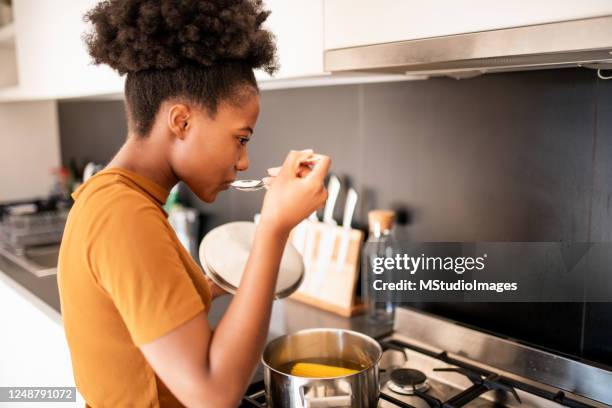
243 162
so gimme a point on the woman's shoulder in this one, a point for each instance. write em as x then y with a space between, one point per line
110 200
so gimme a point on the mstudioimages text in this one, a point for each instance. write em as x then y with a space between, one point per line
436 285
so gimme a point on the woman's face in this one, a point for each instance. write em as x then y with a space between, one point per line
212 151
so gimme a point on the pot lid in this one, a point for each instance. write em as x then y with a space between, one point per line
224 252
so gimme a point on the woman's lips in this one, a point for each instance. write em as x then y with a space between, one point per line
226 185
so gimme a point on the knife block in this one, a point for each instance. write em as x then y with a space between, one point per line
331 257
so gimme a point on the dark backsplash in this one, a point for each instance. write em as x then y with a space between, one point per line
506 157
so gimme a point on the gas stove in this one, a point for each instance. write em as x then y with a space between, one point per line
430 362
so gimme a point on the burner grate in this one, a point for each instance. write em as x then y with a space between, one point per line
482 380
255 396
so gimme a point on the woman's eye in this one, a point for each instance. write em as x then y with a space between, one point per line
243 140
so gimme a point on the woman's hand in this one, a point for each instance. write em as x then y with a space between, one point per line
305 168
215 291
296 190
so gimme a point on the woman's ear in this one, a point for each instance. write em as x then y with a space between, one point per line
178 119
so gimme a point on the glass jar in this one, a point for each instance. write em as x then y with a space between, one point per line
381 243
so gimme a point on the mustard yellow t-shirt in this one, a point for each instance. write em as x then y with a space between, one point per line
124 280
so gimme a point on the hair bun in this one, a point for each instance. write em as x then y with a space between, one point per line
136 35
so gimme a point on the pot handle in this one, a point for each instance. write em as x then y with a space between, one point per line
325 402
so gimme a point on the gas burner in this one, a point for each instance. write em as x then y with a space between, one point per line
408 381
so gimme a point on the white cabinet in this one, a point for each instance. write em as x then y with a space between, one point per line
51 58
33 348
298 27
360 22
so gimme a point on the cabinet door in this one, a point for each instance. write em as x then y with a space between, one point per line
298 27
33 348
360 22
51 57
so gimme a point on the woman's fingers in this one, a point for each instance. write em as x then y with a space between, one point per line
294 159
297 191
302 171
267 181
273 171
320 168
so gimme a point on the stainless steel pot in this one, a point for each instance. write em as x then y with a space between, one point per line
355 390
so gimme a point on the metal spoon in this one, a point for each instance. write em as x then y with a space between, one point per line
248 185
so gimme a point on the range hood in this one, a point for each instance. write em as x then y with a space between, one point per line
585 42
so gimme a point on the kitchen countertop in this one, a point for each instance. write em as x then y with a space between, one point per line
287 315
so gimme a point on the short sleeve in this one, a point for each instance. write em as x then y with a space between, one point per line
138 264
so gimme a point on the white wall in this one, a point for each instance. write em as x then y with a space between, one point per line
29 149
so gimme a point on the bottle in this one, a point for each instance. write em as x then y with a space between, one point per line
184 220
380 243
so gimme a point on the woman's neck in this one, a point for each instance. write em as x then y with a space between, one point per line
147 157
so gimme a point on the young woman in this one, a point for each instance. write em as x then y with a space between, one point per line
133 301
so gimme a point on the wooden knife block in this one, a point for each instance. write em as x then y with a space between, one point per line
332 262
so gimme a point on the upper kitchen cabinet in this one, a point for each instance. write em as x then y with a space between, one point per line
350 23
52 61
298 27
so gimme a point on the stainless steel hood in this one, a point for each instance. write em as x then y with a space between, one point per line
585 42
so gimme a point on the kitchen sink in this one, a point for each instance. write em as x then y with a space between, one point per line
39 260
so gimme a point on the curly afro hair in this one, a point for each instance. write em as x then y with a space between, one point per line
204 51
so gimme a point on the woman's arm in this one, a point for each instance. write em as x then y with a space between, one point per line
213 369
